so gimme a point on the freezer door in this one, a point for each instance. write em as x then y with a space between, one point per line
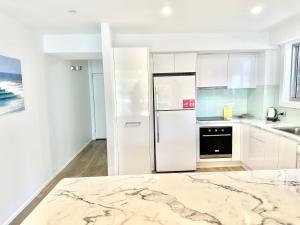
171 92
175 141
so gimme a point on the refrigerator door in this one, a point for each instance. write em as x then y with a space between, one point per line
171 92
175 139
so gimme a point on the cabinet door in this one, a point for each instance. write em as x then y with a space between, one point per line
163 63
242 70
256 153
245 134
132 82
185 62
212 70
287 154
236 145
271 151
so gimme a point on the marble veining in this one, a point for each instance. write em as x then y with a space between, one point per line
235 198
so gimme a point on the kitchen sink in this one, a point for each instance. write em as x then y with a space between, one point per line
291 130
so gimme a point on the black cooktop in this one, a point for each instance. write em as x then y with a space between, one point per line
214 118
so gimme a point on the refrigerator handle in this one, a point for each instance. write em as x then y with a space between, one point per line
157 127
156 96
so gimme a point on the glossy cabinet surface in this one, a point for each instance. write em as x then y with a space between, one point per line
287 158
212 70
242 70
132 104
174 62
163 63
185 62
264 150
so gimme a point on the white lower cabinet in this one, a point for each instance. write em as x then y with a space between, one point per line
264 150
245 131
287 154
236 144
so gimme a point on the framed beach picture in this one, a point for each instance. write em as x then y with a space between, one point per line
11 86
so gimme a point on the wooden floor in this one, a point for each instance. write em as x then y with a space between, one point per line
221 169
92 161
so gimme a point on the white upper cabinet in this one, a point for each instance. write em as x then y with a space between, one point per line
185 62
242 70
163 63
212 70
174 63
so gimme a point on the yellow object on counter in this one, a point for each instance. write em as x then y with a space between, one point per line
227 112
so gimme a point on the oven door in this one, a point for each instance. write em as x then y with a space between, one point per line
216 142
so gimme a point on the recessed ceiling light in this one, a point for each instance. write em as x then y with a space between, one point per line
166 11
256 10
72 11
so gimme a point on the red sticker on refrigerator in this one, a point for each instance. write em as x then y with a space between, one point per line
188 103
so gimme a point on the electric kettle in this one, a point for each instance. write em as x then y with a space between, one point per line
272 114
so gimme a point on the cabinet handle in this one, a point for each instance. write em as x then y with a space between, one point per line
157 127
156 97
133 124
216 135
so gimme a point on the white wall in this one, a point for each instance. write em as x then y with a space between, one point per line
68 109
73 46
288 30
25 164
29 157
110 98
195 41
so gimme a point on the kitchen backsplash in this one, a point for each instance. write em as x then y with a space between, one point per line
210 102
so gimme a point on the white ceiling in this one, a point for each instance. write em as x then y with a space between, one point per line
143 16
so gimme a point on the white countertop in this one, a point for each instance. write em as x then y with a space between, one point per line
235 198
262 124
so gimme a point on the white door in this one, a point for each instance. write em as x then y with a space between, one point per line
99 105
212 70
175 140
171 91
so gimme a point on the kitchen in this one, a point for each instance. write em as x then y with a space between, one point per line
199 113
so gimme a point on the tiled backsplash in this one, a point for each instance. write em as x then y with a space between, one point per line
210 102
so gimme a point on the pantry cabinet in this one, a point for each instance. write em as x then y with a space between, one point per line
133 117
174 62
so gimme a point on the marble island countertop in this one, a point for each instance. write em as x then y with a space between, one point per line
236 198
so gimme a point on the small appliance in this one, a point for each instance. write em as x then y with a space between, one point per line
272 114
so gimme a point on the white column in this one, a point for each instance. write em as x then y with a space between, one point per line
110 99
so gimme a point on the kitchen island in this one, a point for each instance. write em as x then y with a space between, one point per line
250 197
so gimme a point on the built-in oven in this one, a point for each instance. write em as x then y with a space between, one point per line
215 142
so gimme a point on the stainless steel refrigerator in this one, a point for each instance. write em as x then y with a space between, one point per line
175 122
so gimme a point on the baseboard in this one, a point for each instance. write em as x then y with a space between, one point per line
10 219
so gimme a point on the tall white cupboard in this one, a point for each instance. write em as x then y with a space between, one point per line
132 105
